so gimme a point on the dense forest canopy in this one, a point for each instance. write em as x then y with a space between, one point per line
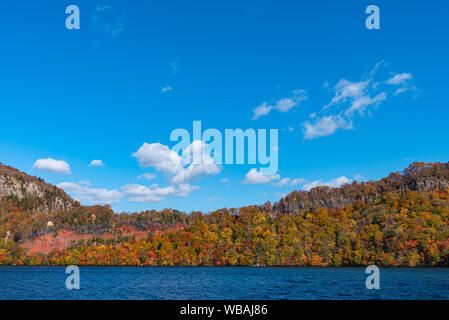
401 220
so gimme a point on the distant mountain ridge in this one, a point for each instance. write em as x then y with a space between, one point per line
32 193
400 220
419 176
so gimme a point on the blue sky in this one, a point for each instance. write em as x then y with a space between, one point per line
376 100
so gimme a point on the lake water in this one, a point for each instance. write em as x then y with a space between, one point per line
222 283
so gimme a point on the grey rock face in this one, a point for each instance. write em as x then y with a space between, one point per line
31 192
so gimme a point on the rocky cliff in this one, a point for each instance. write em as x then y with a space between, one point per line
64 238
419 176
32 193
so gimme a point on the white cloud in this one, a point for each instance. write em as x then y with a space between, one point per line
325 126
261 110
143 194
196 150
361 103
254 177
166 89
225 180
176 168
400 90
96 163
289 182
147 176
283 182
160 157
334 183
356 94
345 90
91 196
282 105
85 183
400 78
351 99
52 165
297 181
82 192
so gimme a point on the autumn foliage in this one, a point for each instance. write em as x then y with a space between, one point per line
402 220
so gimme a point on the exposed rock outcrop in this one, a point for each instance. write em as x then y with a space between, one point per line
64 238
32 193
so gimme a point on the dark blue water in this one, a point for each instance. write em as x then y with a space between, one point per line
222 283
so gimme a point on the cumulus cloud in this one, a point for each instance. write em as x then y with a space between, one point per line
52 165
91 196
224 180
334 183
143 194
160 157
255 177
352 98
325 126
134 192
206 166
282 105
96 163
178 169
166 89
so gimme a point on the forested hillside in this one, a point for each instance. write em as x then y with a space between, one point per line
401 220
